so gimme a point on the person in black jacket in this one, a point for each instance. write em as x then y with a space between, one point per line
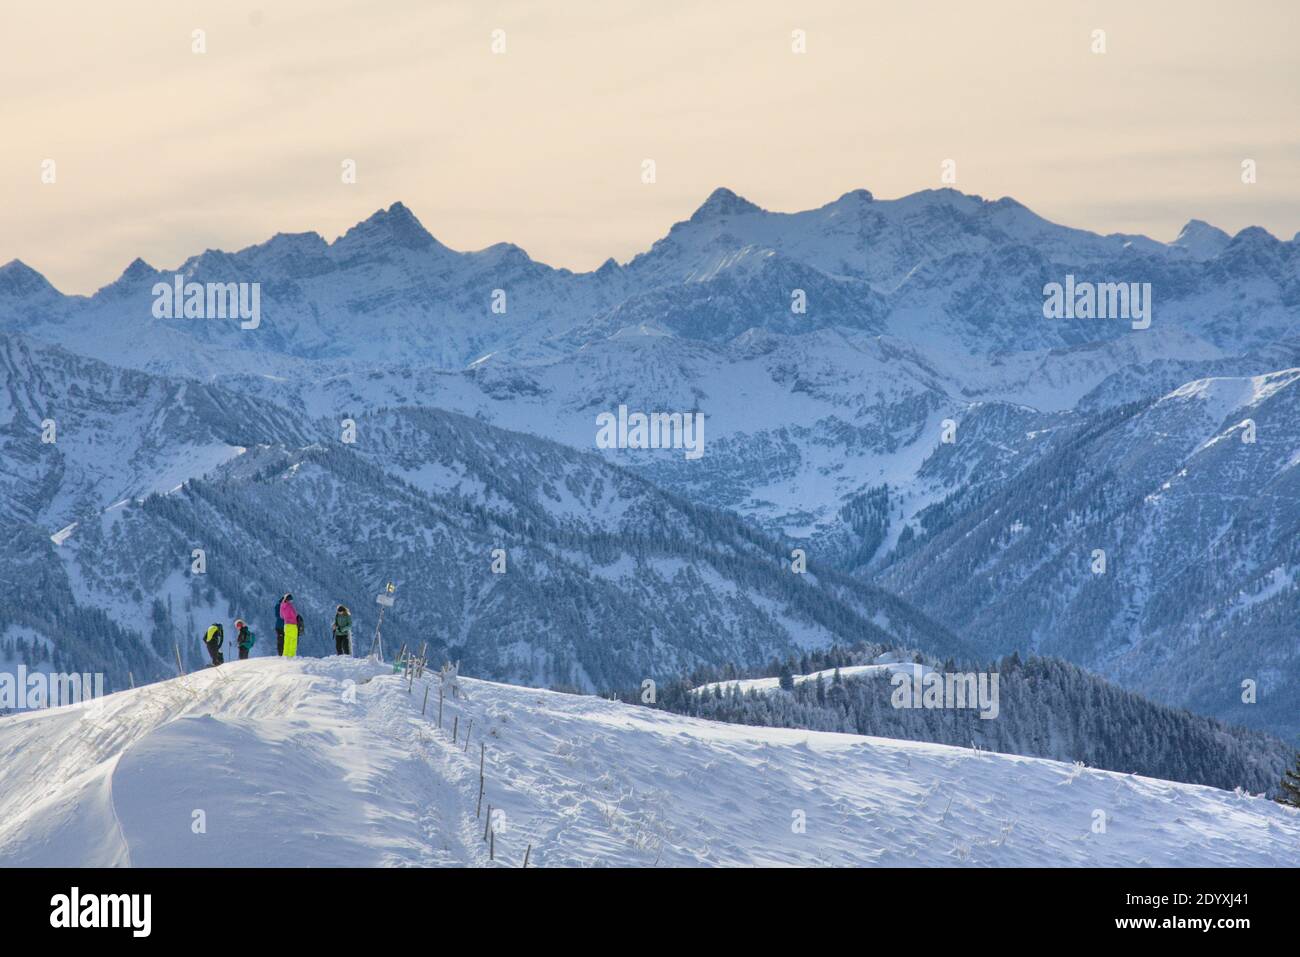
279 631
213 640
343 631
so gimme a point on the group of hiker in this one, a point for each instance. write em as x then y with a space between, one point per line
288 628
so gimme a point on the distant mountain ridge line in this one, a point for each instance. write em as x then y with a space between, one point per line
722 202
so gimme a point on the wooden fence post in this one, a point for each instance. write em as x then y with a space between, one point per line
478 810
526 853
426 700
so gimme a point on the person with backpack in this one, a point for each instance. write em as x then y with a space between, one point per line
213 640
292 623
343 631
245 638
279 630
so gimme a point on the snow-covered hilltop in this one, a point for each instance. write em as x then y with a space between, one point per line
316 762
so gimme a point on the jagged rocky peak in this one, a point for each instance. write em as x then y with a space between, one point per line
723 202
19 279
138 272
296 242
138 269
396 225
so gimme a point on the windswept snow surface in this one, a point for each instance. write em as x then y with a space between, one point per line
315 762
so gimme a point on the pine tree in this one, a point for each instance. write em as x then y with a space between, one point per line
1290 793
786 678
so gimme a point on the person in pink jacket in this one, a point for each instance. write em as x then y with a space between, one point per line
289 615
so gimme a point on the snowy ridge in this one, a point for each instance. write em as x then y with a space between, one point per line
765 685
314 762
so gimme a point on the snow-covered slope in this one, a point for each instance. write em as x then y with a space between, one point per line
605 580
796 426
1194 499
330 762
78 435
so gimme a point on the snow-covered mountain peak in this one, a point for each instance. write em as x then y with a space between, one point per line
19 279
211 262
945 197
856 196
135 276
292 244
506 256
290 256
1257 253
1201 240
138 269
723 202
1255 236
394 226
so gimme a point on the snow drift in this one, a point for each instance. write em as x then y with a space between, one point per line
329 762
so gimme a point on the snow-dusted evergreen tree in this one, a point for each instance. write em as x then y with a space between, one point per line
1289 788
785 678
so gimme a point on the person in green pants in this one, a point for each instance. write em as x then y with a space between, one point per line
343 631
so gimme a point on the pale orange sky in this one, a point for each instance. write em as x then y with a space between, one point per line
162 152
